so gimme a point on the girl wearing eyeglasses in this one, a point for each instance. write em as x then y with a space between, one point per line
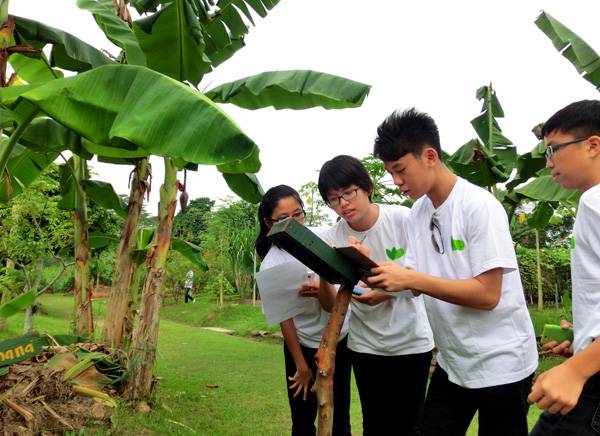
302 333
390 340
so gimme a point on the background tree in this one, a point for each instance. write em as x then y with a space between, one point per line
33 230
190 224
384 190
229 244
314 206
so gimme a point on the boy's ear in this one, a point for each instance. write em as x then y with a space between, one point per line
594 145
430 156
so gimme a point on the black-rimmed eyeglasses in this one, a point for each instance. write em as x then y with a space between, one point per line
348 195
552 148
297 216
436 235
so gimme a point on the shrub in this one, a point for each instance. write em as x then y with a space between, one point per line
555 271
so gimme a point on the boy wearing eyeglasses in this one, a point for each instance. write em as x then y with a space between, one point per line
389 337
570 392
461 257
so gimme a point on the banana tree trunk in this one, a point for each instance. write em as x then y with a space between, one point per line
134 290
325 358
83 324
118 323
539 271
145 335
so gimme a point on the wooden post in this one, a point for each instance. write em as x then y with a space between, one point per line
325 359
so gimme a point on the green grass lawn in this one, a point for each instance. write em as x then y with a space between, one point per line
250 397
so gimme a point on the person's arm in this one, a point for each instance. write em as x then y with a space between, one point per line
559 388
327 294
481 292
303 375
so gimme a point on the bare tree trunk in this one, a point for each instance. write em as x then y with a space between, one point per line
119 321
28 326
325 358
142 355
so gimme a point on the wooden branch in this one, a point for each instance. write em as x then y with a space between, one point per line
325 359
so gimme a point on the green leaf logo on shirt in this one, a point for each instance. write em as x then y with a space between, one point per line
394 253
457 244
572 243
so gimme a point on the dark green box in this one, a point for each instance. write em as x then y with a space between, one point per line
317 255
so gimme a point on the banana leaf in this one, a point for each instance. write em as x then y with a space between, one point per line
571 46
529 166
95 240
540 217
299 89
191 252
169 46
20 302
544 188
130 107
217 31
68 52
34 68
24 167
115 29
103 194
246 186
46 135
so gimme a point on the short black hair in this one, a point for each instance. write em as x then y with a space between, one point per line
403 132
580 119
341 172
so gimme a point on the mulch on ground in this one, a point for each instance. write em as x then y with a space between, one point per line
36 400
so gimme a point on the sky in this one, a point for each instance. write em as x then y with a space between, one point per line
431 55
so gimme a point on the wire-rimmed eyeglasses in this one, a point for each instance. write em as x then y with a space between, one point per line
348 195
552 148
298 216
436 235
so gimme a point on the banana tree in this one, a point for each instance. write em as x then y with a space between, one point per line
184 40
492 161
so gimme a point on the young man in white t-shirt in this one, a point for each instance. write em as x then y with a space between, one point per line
461 257
570 392
390 340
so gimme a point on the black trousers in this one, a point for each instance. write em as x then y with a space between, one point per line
392 392
304 413
450 408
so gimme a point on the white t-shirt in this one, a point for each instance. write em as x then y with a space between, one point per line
477 348
310 324
585 272
395 327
